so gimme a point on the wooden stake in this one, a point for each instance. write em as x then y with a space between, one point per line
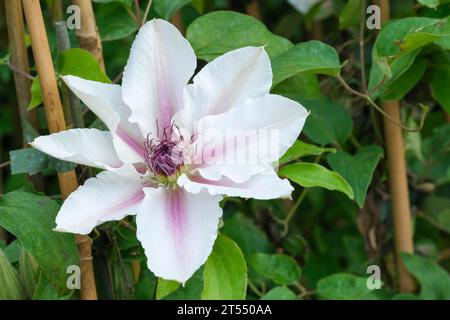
398 183
55 120
88 35
19 61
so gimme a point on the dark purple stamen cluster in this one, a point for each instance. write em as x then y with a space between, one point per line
162 155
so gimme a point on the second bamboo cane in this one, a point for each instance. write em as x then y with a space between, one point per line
55 120
398 183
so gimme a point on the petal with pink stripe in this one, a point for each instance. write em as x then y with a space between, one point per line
177 230
111 195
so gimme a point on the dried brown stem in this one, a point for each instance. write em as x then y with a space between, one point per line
55 121
88 35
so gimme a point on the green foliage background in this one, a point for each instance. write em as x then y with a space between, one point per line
317 246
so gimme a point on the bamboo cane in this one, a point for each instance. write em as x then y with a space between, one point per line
55 120
88 35
398 183
19 61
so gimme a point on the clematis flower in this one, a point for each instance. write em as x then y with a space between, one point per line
157 124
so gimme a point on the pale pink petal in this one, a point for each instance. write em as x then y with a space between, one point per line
247 140
105 100
160 65
225 83
111 195
90 147
177 229
263 186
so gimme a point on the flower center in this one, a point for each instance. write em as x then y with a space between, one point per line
162 156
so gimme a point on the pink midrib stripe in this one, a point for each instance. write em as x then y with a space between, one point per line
135 146
131 201
177 222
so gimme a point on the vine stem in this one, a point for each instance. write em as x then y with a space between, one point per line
393 119
147 10
362 55
398 181
55 121
291 212
137 8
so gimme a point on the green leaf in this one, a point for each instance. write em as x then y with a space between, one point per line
80 63
216 33
27 160
405 296
342 286
248 236
10 289
429 3
114 22
145 287
280 293
397 46
44 290
32 161
36 94
434 280
305 85
165 287
191 291
31 219
406 82
357 169
312 56
167 8
314 175
13 251
440 83
280 268
29 271
302 149
327 122
225 272
350 14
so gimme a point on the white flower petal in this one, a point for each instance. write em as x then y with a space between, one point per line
90 147
177 230
161 63
111 195
262 186
246 141
303 6
105 100
225 83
